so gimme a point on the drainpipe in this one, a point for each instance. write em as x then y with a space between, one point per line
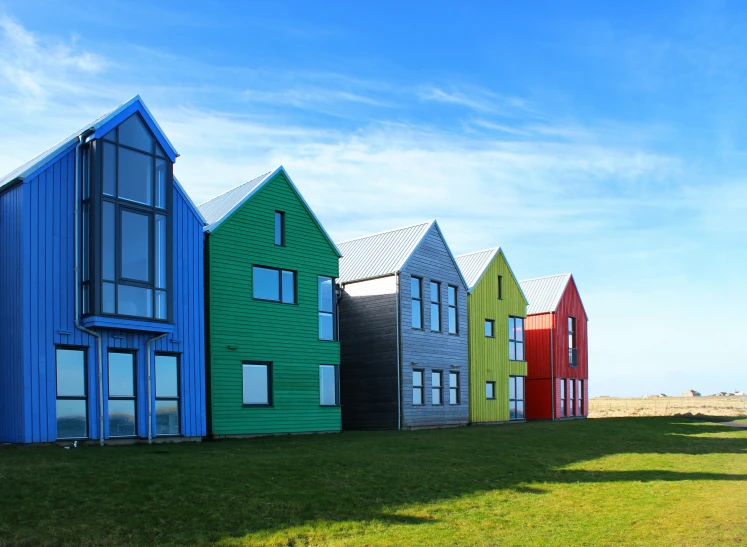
552 366
150 384
399 357
78 195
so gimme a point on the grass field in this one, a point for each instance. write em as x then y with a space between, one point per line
642 481
612 407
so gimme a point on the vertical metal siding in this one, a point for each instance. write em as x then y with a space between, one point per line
538 329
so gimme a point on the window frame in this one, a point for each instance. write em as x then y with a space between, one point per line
133 398
500 287
59 397
513 402
490 383
420 386
454 307
280 285
92 284
279 215
178 397
454 388
572 397
513 342
437 303
581 397
270 399
563 394
337 386
490 322
333 313
419 300
572 349
440 388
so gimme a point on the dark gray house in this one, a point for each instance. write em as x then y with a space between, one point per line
403 331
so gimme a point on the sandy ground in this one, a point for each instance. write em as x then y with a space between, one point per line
609 407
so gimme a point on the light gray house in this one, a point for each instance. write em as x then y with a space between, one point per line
403 331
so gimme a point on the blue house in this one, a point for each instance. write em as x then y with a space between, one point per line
101 290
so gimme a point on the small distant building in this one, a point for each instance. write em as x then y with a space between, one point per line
691 393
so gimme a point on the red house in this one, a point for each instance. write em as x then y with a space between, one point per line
557 383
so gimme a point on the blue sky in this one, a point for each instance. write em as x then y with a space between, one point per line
606 140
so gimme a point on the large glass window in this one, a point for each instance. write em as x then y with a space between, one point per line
257 383
437 397
273 284
327 308
453 388
329 385
516 338
516 397
416 296
133 238
122 394
452 302
167 394
72 413
435 306
572 351
417 386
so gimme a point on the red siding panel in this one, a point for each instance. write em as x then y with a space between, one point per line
538 394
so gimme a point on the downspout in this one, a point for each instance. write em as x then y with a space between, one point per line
399 357
78 194
150 384
552 366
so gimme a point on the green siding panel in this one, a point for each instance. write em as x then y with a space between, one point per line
488 357
242 329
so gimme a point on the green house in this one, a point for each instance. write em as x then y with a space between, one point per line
272 348
496 309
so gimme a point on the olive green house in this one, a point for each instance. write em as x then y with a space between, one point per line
496 309
273 354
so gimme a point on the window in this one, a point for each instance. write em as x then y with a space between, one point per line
416 295
572 351
279 228
490 390
489 328
167 394
437 387
417 387
562 398
257 383
581 410
452 302
500 287
329 385
72 412
273 284
453 388
122 394
572 396
127 219
327 308
435 306
516 397
516 338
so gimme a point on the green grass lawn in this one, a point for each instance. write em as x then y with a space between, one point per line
627 481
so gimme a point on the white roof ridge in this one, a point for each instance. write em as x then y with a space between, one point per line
386 232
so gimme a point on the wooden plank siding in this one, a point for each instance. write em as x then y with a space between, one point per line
489 357
282 334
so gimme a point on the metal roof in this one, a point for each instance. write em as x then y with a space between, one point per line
220 208
379 254
31 166
544 293
473 265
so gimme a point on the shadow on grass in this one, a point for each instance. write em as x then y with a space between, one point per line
200 493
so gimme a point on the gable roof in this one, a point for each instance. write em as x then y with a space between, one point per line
94 130
545 292
190 203
474 265
385 253
223 206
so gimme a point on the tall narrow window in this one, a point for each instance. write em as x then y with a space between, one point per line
417 386
490 390
453 388
562 398
273 284
581 409
489 328
572 396
437 387
122 394
500 287
452 302
327 308
572 351
167 394
516 338
416 296
132 227
516 397
257 384
435 306
329 385
72 412
279 228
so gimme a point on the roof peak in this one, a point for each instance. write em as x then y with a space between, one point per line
235 188
546 277
408 227
489 249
